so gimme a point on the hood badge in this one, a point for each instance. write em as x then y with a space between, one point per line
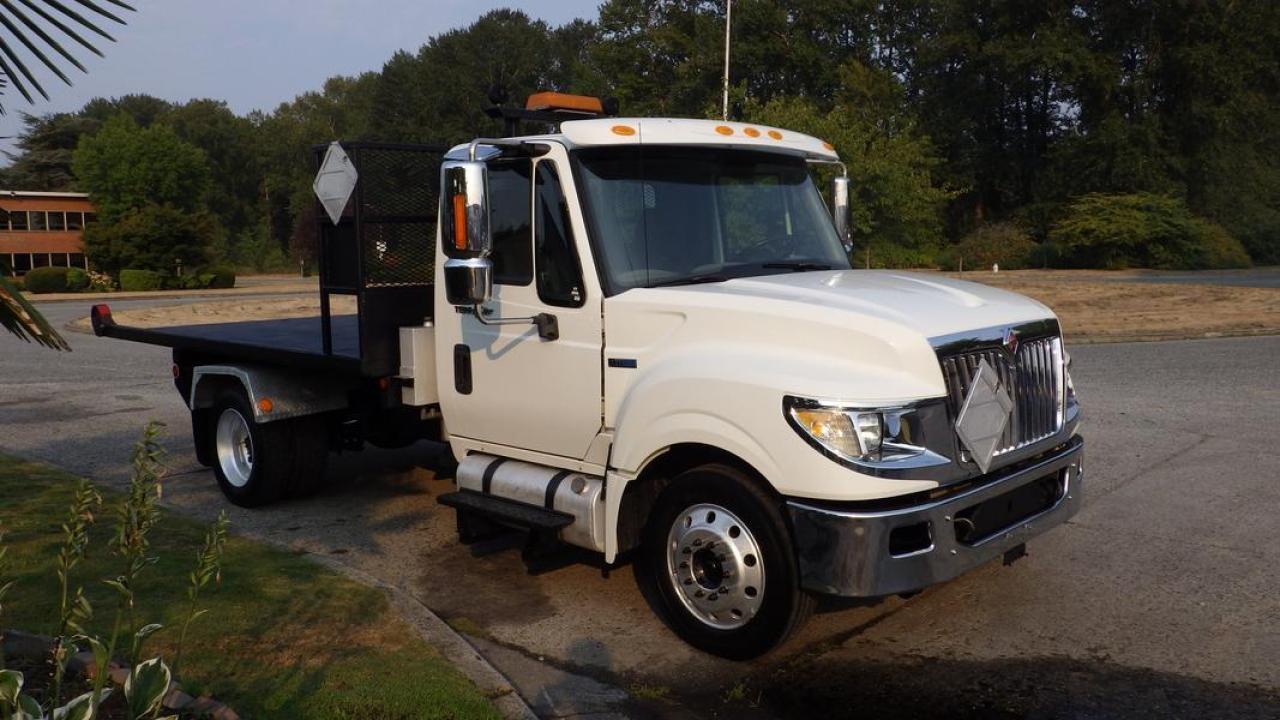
1010 342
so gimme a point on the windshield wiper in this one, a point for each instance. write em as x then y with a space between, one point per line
797 265
692 280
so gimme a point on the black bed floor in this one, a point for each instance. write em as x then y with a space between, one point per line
300 335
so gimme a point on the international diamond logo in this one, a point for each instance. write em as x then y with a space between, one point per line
1010 342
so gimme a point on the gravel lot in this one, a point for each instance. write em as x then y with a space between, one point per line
1158 600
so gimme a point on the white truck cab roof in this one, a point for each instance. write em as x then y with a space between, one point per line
599 132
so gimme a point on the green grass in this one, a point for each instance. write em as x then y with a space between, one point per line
283 638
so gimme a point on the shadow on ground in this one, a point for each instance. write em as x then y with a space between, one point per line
871 683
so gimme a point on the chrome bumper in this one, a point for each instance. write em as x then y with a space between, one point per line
847 552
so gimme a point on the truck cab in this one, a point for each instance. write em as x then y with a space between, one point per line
647 340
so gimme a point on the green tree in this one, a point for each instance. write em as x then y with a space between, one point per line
43 159
1143 230
125 167
155 237
228 143
895 200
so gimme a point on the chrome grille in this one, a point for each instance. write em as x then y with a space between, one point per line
1034 381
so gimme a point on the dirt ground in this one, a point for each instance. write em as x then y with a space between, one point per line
1098 306
1094 306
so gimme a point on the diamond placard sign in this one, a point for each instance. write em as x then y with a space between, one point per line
984 416
336 181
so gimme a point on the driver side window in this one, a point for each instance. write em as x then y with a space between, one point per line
558 271
510 189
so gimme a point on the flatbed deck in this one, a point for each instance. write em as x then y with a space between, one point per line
294 342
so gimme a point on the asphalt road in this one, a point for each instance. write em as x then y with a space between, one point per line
1159 600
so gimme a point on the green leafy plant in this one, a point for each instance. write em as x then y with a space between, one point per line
1143 230
140 280
73 607
223 276
1005 244
135 519
208 569
46 280
77 280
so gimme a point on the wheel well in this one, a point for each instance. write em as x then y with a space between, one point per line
210 386
640 495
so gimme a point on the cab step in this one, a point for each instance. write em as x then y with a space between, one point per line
506 511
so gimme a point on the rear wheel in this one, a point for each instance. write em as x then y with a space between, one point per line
253 462
718 556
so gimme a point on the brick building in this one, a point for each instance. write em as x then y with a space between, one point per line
38 229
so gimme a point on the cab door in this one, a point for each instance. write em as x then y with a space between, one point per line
503 384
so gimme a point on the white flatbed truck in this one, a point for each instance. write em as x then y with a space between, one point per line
644 337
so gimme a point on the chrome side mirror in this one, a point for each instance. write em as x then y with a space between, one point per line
468 281
468 274
840 210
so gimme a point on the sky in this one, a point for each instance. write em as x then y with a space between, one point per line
256 54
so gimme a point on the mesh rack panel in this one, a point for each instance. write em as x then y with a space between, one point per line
396 215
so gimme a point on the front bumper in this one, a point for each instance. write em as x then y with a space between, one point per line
882 552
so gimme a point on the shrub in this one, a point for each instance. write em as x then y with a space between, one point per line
140 280
77 279
47 280
1142 230
891 256
223 276
153 237
1006 244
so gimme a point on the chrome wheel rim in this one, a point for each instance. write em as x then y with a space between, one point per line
715 564
235 447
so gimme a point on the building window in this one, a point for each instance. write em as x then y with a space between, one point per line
75 220
57 221
59 259
21 263
18 220
77 260
39 260
37 221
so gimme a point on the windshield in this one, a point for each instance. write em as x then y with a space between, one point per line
676 215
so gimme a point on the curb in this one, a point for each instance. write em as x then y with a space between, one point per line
451 645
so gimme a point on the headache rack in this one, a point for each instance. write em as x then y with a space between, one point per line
382 251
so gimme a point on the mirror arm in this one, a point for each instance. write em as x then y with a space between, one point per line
548 326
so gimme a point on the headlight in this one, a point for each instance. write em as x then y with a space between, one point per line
855 434
849 434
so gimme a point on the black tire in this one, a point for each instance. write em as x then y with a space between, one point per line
311 453
784 605
202 436
271 451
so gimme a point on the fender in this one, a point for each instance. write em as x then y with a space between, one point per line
723 396
290 395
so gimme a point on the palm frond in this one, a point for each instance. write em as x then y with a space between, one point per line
38 26
19 317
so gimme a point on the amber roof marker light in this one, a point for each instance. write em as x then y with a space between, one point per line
564 101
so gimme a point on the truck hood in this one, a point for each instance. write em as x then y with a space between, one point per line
931 305
857 335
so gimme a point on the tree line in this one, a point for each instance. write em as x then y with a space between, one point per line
1100 132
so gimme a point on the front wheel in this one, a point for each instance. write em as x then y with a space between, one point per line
718 557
